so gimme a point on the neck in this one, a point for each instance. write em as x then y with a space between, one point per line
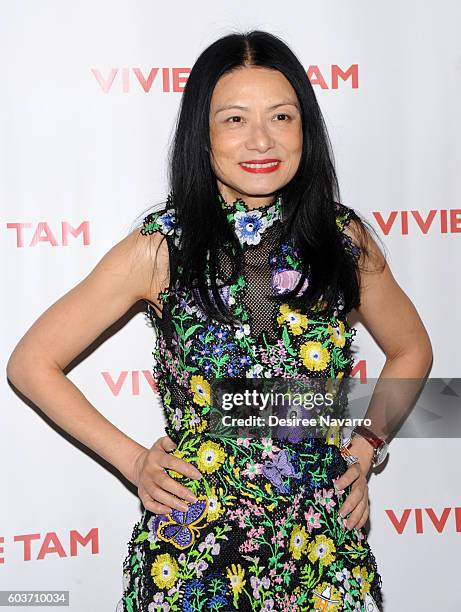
250 201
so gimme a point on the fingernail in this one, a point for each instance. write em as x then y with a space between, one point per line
199 475
192 497
184 507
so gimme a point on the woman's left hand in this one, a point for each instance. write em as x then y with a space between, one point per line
356 502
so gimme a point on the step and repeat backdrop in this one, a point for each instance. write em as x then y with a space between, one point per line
90 93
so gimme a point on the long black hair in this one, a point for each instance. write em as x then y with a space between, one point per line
308 200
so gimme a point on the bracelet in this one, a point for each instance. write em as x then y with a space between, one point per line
349 458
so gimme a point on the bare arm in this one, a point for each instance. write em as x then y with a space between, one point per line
394 323
391 318
121 278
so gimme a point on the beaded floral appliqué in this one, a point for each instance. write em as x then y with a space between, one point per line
265 533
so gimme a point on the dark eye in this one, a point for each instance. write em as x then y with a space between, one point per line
233 117
282 115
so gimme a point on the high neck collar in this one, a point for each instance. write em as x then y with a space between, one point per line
251 223
241 205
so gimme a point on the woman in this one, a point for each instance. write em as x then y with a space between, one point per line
248 271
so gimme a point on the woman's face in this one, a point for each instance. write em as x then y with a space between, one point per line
254 117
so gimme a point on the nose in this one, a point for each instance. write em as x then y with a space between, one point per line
259 137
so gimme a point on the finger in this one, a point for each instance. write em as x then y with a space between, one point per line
355 496
364 518
181 466
166 498
165 443
351 474
170 485
356 514
156 507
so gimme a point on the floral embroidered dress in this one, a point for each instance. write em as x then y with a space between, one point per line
264 533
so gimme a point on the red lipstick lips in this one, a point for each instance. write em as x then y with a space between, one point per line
258 166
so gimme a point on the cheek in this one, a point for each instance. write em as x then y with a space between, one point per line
225 147
291 142
295 141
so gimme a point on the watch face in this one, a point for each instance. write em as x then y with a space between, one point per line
380 454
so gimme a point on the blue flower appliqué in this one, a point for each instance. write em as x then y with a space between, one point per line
249 226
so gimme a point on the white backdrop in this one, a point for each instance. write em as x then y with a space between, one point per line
82 142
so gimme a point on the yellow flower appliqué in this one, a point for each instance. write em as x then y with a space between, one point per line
337 333
298 541
361 575
314 356
215 508
201 389
296 321
164 571
210 457
235 575
322 548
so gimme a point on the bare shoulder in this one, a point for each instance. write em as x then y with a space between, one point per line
369 255
385 309
145 261
123 276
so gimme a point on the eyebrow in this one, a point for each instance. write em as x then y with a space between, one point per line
229 106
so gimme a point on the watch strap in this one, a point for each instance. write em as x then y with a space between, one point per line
366 433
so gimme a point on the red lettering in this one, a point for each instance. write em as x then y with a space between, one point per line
51 544
77 538
19 234
439 524
419 520
27 539
399 525
179 80
179 77
443 221
424 225
145 84
47 235
67 229
404 219
166 79
455 220
115 387
360 368
352 71
385 226
135 382
315 77
105 85
151 380
43 233
458 519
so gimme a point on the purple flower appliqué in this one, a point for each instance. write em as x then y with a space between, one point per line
285 280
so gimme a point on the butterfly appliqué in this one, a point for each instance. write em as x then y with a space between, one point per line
281 466
181 528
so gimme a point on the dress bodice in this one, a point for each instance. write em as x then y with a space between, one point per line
273 340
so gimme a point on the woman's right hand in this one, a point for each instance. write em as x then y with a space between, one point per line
159 492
